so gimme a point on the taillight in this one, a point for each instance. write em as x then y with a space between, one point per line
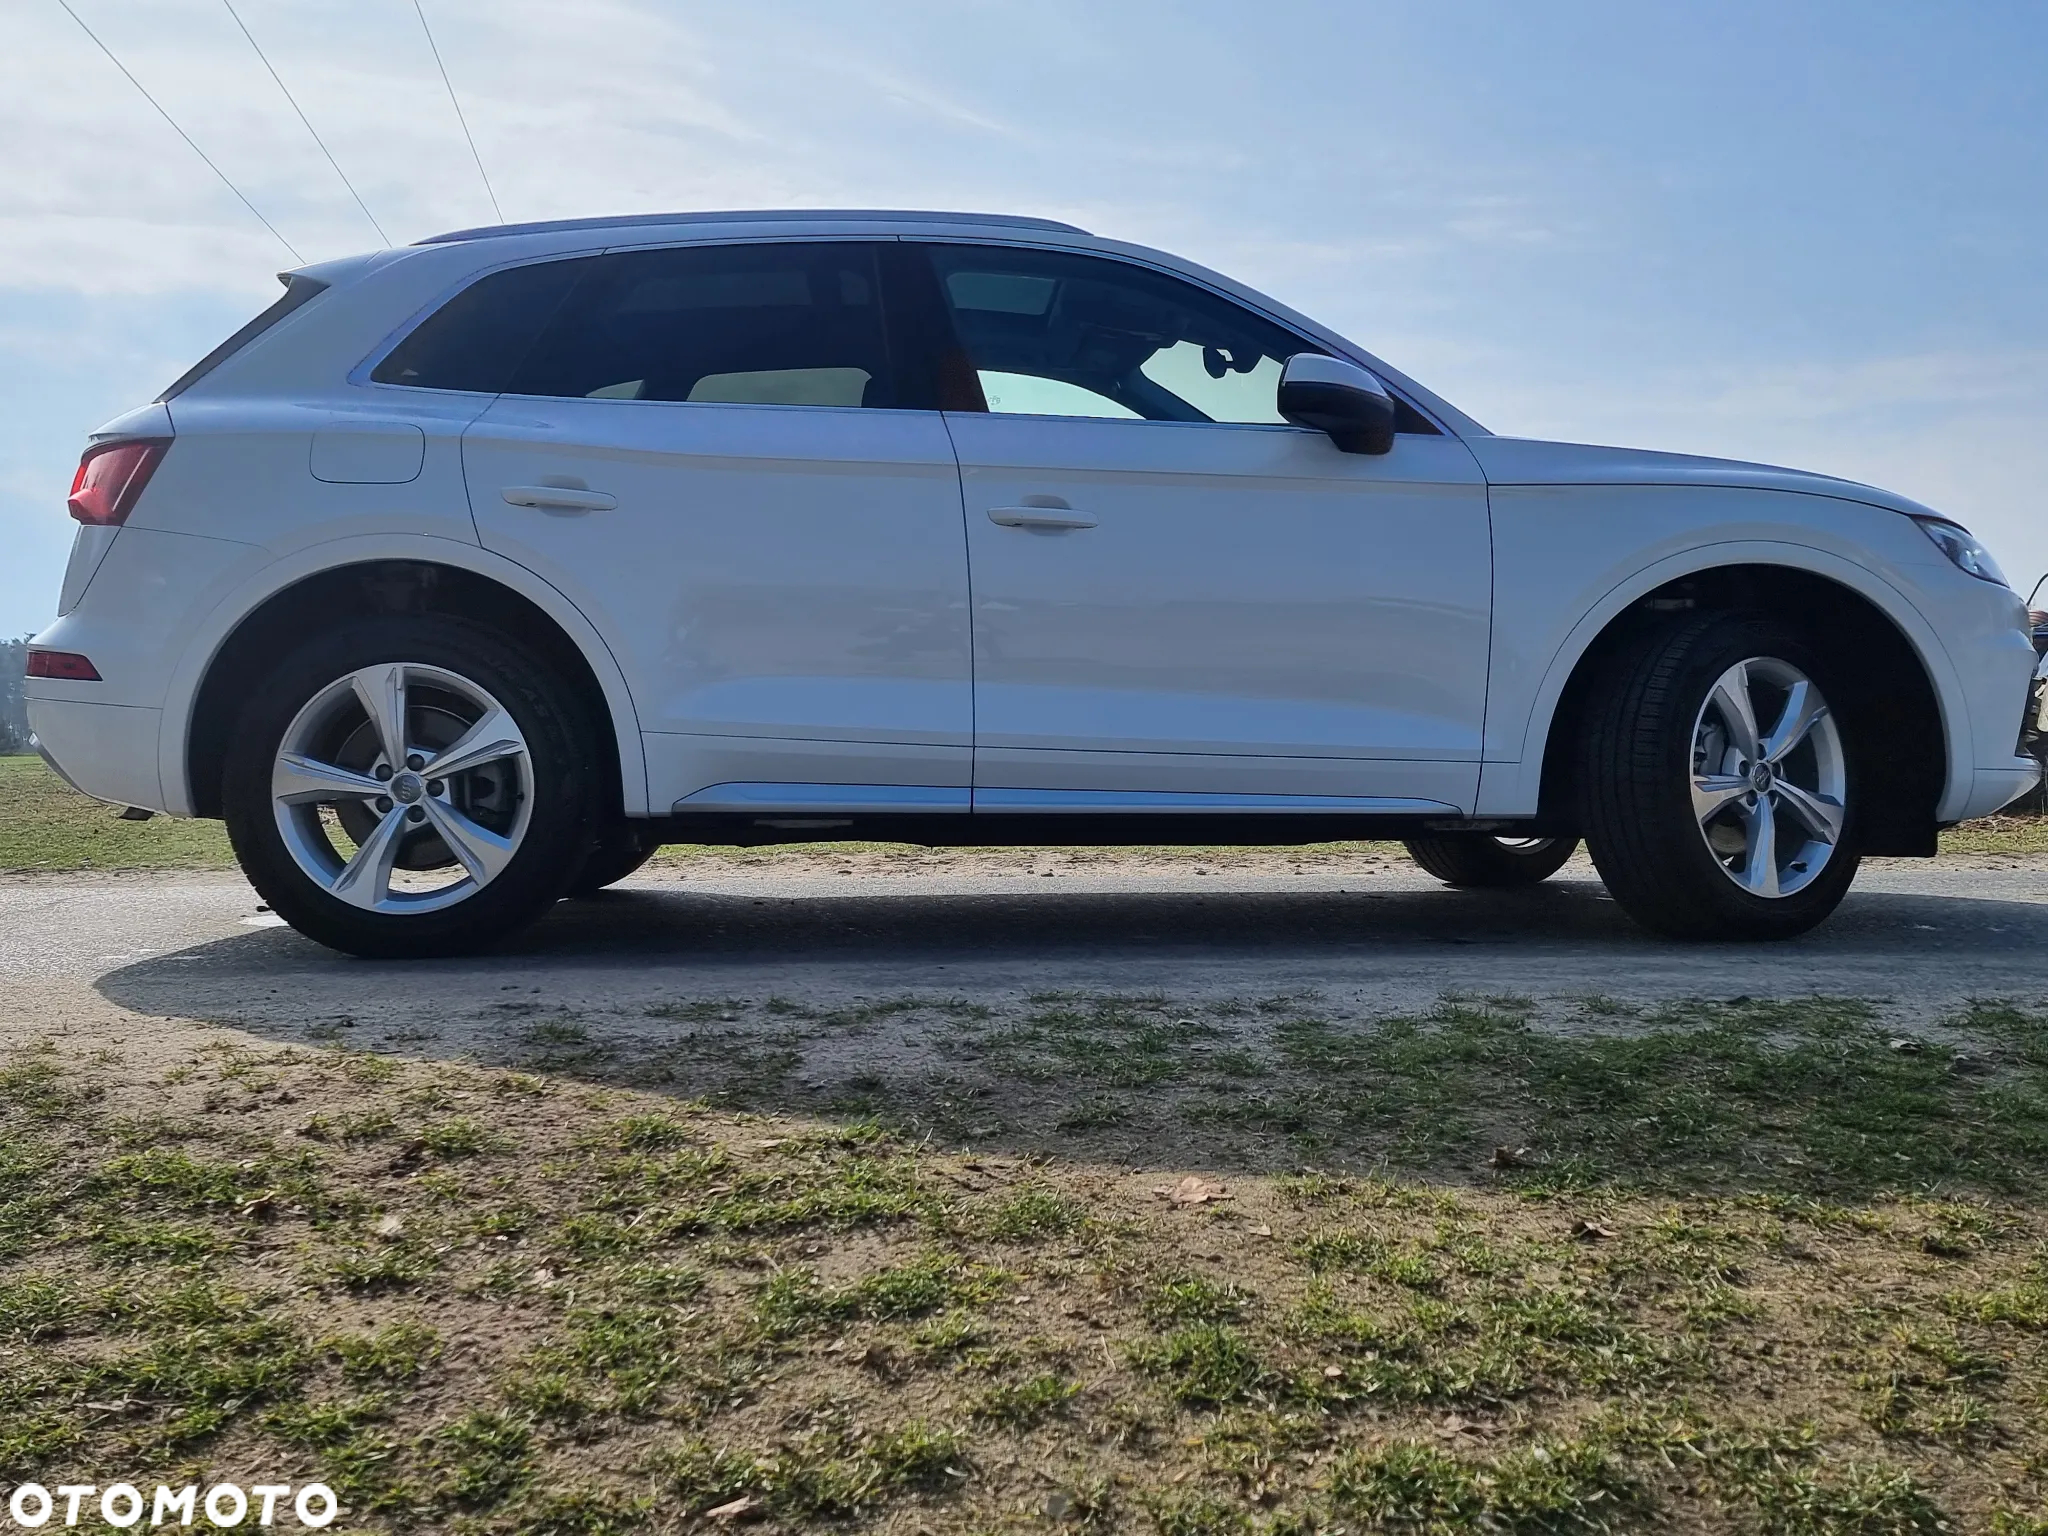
111 476
67 666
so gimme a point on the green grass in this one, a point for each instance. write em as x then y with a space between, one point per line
46 825
1819 1094
1998 835
1026 1404
1762 1273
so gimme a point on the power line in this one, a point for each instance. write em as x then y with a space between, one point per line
479 159
181 133
352 192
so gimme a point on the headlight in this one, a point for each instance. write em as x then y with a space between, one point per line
1963 548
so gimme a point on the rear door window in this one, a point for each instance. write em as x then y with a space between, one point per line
776 324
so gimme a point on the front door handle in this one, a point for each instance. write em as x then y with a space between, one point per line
558 498
1039 517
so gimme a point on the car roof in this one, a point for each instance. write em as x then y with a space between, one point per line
754 216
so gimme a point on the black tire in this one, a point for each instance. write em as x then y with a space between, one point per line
1478 861
1635 782
621 847
561 821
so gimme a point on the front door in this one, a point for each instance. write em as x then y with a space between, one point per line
1180 601
706 452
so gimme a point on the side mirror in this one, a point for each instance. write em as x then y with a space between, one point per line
1340 398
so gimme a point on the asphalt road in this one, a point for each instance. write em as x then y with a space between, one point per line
1921 935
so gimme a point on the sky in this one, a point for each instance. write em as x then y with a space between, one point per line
1804 233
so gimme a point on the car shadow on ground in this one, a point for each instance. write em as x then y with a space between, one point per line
1410 1027
906 934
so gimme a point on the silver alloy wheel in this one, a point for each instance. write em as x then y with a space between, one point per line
1526 846
423 774
1770 800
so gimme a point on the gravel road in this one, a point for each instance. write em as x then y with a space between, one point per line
1374 936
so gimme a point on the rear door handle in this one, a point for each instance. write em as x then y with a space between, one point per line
558 498
1039 517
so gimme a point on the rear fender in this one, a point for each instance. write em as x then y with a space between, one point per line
205 644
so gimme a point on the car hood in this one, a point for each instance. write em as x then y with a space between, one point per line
1529 461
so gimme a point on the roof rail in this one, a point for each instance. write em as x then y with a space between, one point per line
750 216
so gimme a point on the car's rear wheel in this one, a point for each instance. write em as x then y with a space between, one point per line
410 786
1719 782
621 847
1478 861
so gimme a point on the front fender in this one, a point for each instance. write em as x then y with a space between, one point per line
1519 718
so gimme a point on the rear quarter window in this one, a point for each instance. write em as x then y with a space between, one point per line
478 339
297 291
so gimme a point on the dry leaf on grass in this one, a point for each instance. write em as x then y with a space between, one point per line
742 1505
1514 1157
1192 1190
1590 1231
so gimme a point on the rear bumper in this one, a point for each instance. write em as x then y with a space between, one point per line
108 751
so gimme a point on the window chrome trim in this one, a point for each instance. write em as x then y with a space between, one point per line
359 376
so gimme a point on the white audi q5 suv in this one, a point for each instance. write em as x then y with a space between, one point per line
469 573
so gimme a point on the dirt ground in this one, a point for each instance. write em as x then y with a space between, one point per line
1182 1192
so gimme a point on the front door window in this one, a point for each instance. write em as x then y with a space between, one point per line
1050 333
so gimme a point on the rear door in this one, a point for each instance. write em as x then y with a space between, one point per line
711 451
1181 601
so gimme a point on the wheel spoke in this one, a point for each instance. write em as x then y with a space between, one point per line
298 780
1713 792
493 737
1760 873
366 880
389 714
1730 699
482 852
381 691
1821 815
1804 709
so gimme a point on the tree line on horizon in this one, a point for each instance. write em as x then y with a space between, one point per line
13 711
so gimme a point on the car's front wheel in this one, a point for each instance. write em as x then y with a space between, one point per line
410 786
1718 782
